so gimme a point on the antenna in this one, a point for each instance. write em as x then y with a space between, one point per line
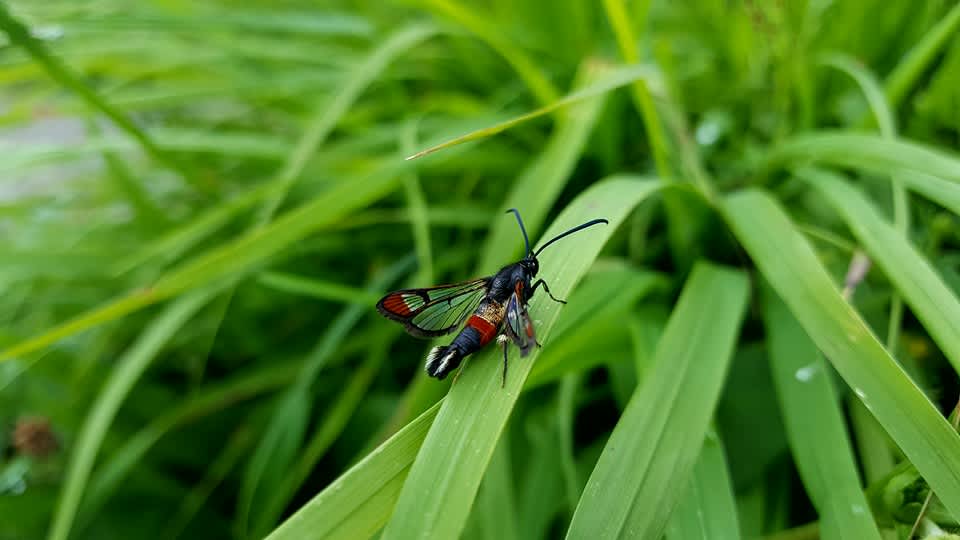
526 241
590 223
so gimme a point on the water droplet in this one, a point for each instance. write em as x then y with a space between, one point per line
858 509
806 373
860 393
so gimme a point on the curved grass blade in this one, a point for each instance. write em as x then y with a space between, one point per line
930 299
866 152
815 427
489 32
334 421
645 466
869 86
707 510
615 78
115 390
788 262
328 114
535 191
438 494
938 190
356 505
918 60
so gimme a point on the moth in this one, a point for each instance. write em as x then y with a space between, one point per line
493 306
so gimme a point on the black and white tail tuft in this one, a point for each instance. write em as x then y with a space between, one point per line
442 360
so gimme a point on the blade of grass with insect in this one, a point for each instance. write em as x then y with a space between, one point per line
815 427
358 503
787 261
866 152
443 482
122 379
928 296
646 464
533 193
707 510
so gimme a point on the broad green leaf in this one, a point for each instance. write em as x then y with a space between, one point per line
928 296
788 262
707 510
443 482
646 464
815 427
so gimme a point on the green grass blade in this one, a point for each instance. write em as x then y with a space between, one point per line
330 113
928 296
815 427
910 70
332 425
316 288
486 30
58 71
443 482
356 505
938 190
615 78
788 262
535 191
232 258
868 152
282 439
871 90
645 466
619 18
205 401
129 369
707 510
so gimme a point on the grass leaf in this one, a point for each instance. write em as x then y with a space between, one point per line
815 427
646 464
788 262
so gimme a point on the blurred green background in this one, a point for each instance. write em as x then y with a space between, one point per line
201 202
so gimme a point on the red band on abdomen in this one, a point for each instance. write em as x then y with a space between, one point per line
485 328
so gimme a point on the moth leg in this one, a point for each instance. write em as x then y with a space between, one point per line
503 340
540 282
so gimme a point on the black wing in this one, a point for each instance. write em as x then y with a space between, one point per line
433 311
